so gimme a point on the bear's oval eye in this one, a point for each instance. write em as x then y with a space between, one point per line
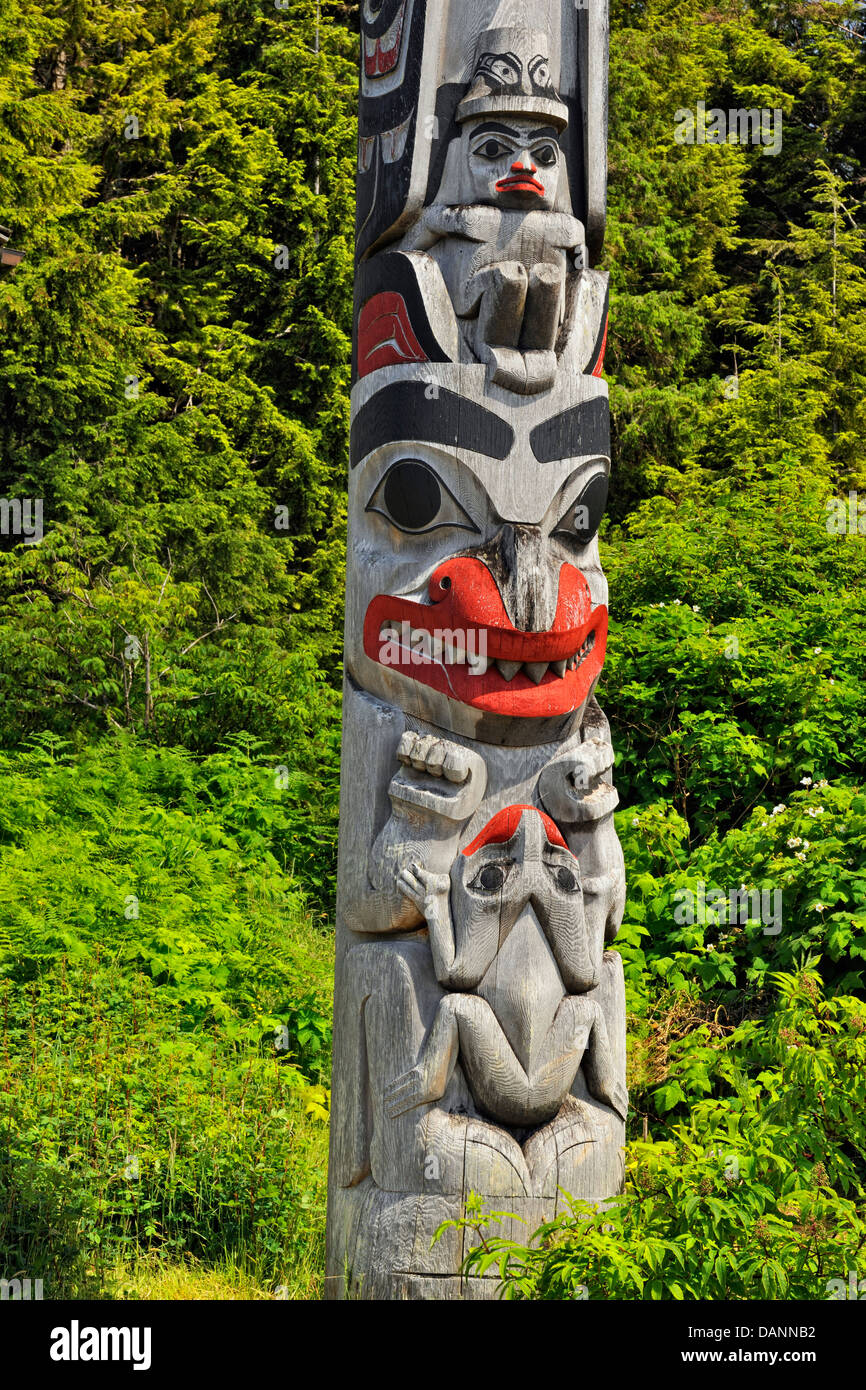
490 879
412 495
583 518
566 879
412 498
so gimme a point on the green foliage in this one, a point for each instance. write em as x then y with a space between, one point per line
807 858
177 868
175 358
124 1131
165 1016
729 264
757 1195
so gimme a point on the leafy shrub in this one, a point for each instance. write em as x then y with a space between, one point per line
165 1018
757 1195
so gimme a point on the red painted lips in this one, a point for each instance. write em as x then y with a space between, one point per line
508 671
520 183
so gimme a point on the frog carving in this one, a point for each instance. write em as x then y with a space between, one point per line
511 945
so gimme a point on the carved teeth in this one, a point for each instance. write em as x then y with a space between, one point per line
508 669
536 670
451 653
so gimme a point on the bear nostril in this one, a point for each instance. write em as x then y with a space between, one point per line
445 582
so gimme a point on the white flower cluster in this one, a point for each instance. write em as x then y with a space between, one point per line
794 843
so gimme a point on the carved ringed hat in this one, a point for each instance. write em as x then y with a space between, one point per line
515 73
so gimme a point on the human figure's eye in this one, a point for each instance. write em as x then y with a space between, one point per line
545 155
492 149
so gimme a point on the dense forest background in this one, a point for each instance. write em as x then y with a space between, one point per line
174 374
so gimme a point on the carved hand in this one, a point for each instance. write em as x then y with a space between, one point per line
427 891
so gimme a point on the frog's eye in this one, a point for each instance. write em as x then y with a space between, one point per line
567 879
492 148
545 155
490 879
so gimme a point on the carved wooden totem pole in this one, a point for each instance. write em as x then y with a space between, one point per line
480 1022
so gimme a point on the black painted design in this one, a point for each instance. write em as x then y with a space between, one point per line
383 187
583 518
415 500
414 410
598 345
376 23
539 76
501 71
394 271
576 433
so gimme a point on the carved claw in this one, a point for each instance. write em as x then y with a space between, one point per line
610 1090
570 786
619 1099
404 1093
438 776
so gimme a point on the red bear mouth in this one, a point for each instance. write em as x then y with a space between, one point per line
463 644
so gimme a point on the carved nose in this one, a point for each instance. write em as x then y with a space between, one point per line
523 164
528 581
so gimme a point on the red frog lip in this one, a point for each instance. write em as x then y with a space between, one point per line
520 183
481 659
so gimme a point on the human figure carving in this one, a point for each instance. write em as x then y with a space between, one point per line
501 228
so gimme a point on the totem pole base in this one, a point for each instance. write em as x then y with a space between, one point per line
387 1238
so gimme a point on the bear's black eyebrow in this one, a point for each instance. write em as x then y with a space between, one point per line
413 411
575 433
